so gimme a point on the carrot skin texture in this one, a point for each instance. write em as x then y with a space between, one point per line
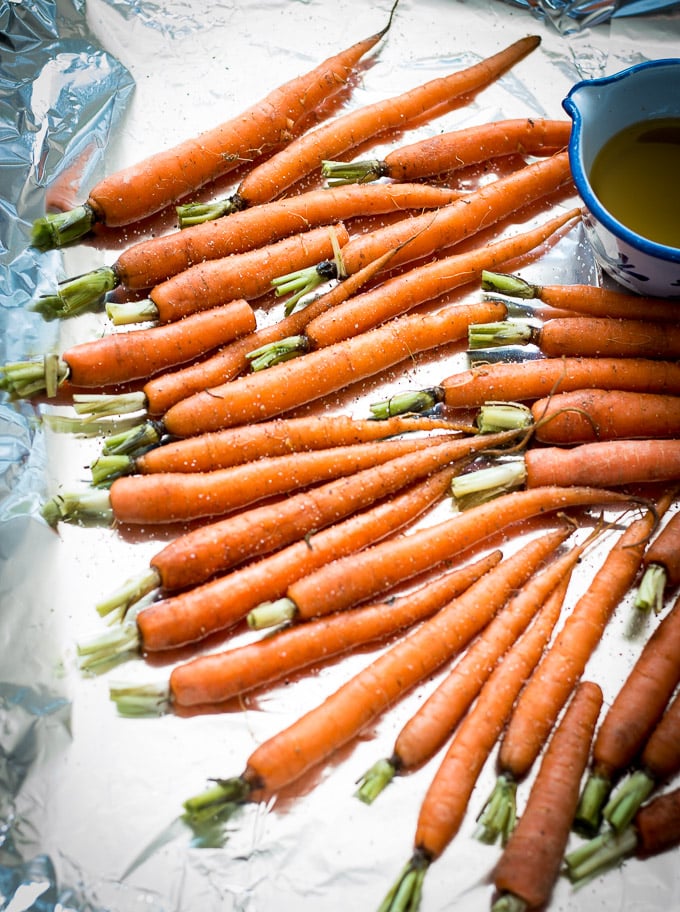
151 262
606 302
216 547
606 337
536 379
582 416
181 496
283 758
136 192
664 550
246 275
531 861
265 394
222 603
658 825
125 356
660 758
348 131
219 677
378 569
610 463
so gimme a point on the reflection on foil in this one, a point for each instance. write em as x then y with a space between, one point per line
569 16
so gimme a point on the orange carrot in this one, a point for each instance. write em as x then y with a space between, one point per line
344 583
446 801
218 677
631 718
447 152
661 562
531 861
149 186
347 132
426 731
588 299
316 735
222 603
265 394
581 416
121 357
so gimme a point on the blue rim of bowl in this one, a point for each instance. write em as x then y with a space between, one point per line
650 248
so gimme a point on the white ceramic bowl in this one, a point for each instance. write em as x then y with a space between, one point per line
600 108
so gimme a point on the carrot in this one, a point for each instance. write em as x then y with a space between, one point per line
346 582
121 357
425 732
265 394
152 261
581 416
557 674
661 562
447 152
631 718
167 497
585 337
422 283
317 734
246 275
149 186
222 603
531 861
655 829
221 676
216 547
588 299
350 130
446 801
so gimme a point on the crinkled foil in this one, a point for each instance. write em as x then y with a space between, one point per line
90 802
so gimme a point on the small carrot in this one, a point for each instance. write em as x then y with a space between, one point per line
531 861
190 616
121 357
448 152
655 829
593 300
342 583
150 262
446 801
581 416
219 677
661 562
585 337
271 178
317 734
425 732
149 186
631 718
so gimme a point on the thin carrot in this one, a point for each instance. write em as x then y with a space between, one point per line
655 829
581 416
448 152
149 186
265 394
350 130
631 718
557 674
661 562
121 357
222 603
152 261
246 275
588 299
425 732
342 583
218 677
530 864
216 547
317 734
446 801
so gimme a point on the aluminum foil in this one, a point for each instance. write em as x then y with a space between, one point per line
89 801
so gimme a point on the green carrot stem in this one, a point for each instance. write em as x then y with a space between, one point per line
359 172
506 284
503 416
499 815
133 442
304 281
74 506
103 405
22 379
105 469
625 803
588 816
503 332
61 228
600 853
100 651
137 700
194 213
131 312
271 614
484 484
130 592
74 295
93 427
651 590
415 401
223 795
508 902
375 779
277 352
406 893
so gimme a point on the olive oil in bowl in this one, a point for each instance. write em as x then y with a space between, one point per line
636 177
